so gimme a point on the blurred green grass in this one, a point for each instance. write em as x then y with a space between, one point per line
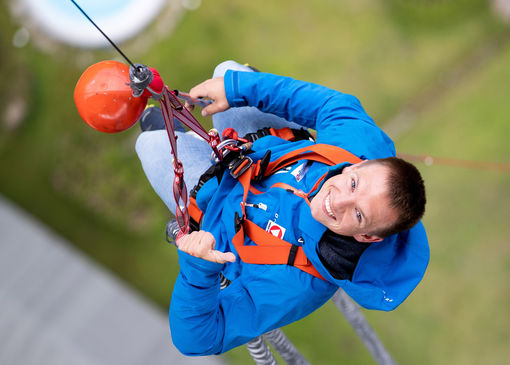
90 188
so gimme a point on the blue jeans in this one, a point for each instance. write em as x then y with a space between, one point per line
154 152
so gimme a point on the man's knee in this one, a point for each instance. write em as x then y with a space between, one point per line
152 143
220 70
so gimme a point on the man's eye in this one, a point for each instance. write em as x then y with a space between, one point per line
358 215
353 184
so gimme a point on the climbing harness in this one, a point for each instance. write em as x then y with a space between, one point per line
236 160
270 249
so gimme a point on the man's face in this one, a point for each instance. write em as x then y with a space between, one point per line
355 202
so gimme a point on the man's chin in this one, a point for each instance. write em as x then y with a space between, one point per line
315 213
340 231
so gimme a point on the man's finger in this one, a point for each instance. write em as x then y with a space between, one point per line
221 257
181 239
200 91
189 106
214 108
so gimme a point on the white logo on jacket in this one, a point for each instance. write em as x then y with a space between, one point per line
300 171
275 229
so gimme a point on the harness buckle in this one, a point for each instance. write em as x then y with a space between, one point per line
223 149
264 162
239 165
238 222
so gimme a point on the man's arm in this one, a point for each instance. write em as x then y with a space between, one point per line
339 118
206 321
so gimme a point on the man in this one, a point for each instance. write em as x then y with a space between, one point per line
348 231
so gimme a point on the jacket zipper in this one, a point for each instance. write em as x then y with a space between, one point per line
259 205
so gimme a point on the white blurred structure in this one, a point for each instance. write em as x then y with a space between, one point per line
502 8
60 19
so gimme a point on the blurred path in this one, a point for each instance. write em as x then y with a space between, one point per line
58 307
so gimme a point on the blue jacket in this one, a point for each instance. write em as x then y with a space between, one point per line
205 320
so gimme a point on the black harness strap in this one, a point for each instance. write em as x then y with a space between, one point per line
292 255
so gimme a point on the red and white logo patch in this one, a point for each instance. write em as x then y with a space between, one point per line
275 229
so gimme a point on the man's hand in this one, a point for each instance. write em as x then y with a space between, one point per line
213 89
201 244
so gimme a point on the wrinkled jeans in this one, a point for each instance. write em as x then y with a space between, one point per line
154 151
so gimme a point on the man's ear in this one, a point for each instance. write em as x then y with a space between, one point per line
367 238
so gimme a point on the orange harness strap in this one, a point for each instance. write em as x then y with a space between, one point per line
194 211
327 154
270 249
284 133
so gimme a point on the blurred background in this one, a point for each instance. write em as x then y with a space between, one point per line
434 74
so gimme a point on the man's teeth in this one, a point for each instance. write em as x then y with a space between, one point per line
328 207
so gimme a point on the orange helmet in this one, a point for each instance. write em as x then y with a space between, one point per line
104 98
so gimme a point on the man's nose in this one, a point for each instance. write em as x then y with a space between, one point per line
344 201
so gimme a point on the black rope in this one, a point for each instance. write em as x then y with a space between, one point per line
103 33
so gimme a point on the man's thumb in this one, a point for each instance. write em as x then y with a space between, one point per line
229 257
209 110
222 257
217 106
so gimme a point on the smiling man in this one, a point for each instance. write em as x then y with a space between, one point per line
352 223
371 200
356 202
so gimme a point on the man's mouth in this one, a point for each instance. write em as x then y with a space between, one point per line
327 206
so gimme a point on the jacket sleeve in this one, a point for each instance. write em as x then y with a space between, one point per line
339 118
206 321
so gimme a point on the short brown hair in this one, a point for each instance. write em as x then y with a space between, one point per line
406 192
